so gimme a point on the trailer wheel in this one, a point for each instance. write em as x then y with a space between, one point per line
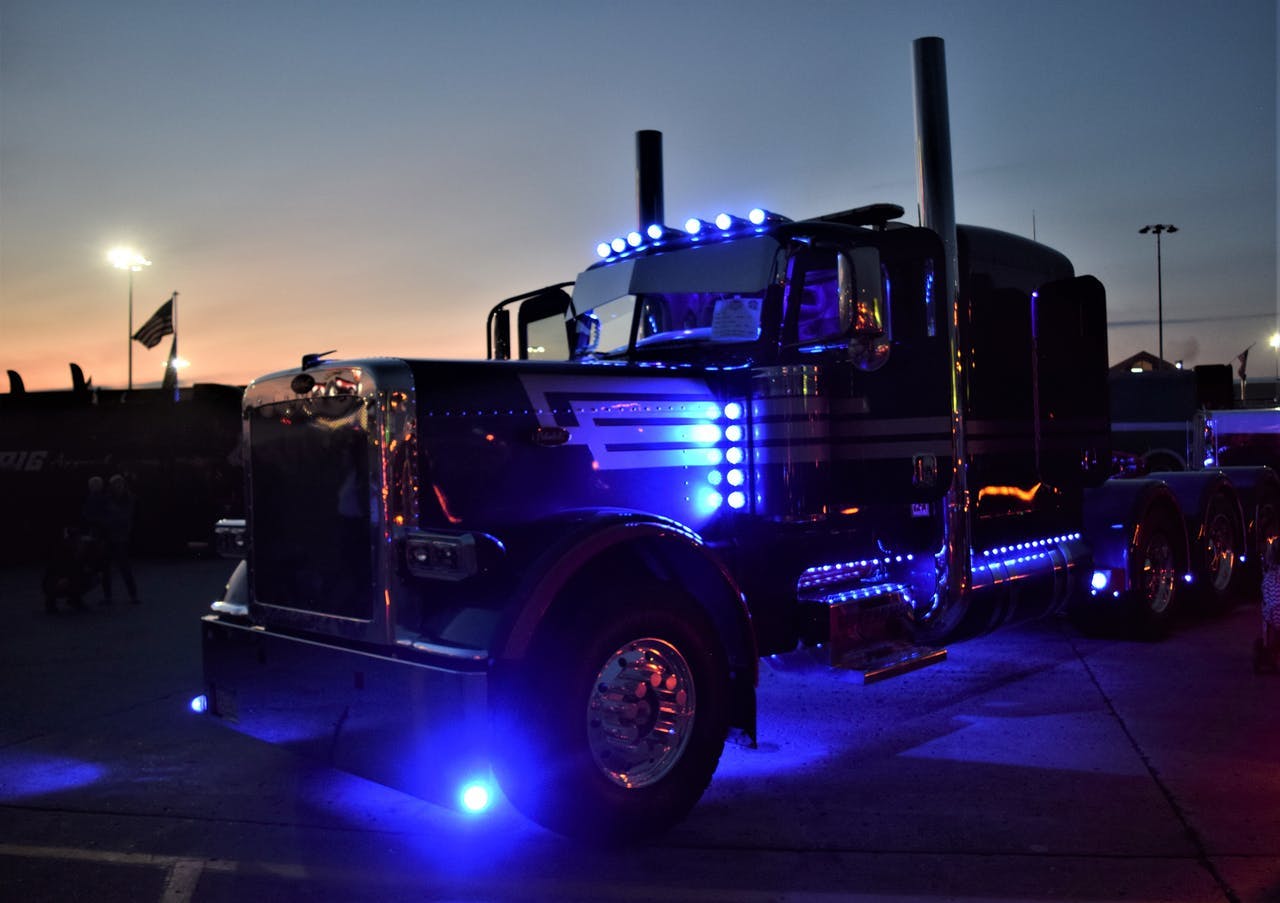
1266 530
1155 563
616 722
1220 547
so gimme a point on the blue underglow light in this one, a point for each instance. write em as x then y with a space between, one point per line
756 217
712 412
737 500
476 797
603 249
715 478
1100 580
714 456
25 774
634 239
733 410
618 245
711 500
200 704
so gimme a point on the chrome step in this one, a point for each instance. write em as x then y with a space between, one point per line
870 629
891 660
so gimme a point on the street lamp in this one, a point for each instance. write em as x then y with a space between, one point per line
131 260
1157 229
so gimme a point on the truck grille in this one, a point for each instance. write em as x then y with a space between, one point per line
310 486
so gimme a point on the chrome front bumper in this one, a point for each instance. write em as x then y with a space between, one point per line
406 722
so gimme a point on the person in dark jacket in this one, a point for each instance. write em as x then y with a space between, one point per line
109 515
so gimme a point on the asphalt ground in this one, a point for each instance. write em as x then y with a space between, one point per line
1034 764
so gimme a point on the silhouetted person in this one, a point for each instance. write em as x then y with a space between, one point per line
109 516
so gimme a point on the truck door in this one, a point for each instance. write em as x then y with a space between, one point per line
858 412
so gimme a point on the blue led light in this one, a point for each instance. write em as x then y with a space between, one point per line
733 432
756 217
200 704
712 412
737 500
476 797
712 500
634 239
714 456
693 226
603 249
735 477
619 245
733 410
723 222
654 231
705 432
715 478
733 455
1036 543
1100 580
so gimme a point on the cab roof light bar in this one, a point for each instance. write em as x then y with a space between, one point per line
657 235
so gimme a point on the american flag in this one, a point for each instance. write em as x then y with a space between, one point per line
156 328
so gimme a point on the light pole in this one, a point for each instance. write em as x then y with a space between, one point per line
131 260
1275 346
1158 228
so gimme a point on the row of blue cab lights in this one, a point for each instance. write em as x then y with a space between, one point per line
723 226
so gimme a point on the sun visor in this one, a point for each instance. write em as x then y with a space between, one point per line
744 266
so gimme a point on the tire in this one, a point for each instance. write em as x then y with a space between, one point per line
615 722
1266 531
1220 548
1156 562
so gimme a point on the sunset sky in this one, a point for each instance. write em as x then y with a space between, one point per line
372 177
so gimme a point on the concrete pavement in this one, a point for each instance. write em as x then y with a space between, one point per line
1033 765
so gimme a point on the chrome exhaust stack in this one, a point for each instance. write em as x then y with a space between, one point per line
936 195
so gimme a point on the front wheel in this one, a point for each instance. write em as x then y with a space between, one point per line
613 725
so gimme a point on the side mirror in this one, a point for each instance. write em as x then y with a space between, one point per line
863 308
500 335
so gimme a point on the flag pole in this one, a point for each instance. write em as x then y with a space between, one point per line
173 352
130 328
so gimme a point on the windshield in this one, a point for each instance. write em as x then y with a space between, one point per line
712 293
716 317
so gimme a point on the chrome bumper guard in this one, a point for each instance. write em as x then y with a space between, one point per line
414 725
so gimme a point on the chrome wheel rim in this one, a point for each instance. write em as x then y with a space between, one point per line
1158 575
640 712
1221 553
